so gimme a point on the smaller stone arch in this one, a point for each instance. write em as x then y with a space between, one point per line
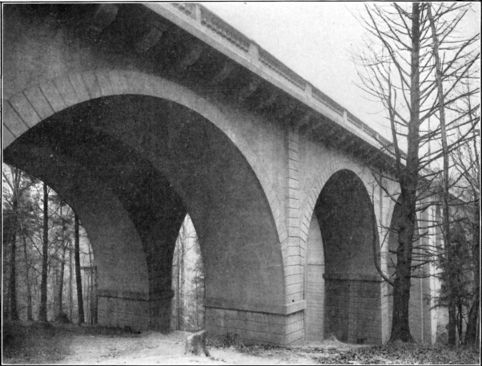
342 286
316 185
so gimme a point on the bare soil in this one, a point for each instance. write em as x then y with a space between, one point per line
35 343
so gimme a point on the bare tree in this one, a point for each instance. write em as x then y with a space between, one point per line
61 281
180 277
466 161
13 245
27 277
45 256
78 276
399 71
441 105
39 224
17 214
71 278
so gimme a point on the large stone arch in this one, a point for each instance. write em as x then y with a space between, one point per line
30 106
240 227
110 229
342 289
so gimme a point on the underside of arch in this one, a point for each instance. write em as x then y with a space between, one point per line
344 288
150 161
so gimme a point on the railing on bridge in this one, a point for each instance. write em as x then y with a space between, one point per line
217 25
256 54
278 67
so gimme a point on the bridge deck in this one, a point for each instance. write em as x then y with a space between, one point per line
211 29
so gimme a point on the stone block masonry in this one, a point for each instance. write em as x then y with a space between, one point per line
255 327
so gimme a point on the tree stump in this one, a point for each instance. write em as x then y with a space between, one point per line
195 343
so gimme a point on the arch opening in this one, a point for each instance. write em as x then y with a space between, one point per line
187 280
132 166
342 288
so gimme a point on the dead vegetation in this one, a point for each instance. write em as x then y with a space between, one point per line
46 343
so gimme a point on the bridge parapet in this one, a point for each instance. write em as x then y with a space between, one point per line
266 62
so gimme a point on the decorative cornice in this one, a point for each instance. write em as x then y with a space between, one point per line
240 44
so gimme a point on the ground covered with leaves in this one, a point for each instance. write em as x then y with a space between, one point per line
43 343
398 354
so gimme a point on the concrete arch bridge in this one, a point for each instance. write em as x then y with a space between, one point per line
137 114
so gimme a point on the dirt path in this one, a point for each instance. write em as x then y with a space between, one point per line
46 343
40 343
154 348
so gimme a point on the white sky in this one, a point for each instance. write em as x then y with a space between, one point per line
315 39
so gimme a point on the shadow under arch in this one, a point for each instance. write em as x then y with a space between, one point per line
132 166
342 286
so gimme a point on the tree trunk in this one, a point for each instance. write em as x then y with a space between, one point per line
196 299
13 261
45 247
472 321
62 267
78 276
401 283
27 280
408 185
91 288
71 305
178 296
445 180
94 274
61 283
460 321
55 293
471 333
180 314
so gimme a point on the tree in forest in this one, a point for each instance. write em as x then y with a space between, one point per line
466 241
39 232
78 276
400 71
17 213
45 256
28 226
439 54
61 234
